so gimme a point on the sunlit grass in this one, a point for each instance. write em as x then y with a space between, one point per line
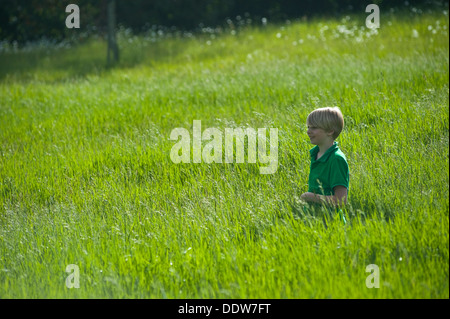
86 176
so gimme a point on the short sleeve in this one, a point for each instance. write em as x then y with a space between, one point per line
339 172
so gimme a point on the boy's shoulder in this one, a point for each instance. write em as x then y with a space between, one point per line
337 156
339 153
334 153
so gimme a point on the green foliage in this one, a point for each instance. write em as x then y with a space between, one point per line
33 20
86 177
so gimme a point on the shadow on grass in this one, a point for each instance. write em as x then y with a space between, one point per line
84 59
311 214
358 211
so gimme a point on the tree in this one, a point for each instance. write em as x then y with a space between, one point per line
113 48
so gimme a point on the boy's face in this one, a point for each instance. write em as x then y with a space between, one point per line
318 136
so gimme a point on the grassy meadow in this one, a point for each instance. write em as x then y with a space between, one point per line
86 176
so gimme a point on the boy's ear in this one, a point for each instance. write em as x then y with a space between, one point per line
330 133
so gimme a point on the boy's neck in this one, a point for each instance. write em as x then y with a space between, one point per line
326 145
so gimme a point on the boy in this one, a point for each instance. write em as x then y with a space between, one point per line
329 174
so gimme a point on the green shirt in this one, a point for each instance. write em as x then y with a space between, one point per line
330 170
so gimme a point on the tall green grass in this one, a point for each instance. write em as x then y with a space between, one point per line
86 176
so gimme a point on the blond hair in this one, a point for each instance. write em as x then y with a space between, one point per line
328 119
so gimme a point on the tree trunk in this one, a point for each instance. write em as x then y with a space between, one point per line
113 49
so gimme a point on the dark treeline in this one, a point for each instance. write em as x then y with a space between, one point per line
28 20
